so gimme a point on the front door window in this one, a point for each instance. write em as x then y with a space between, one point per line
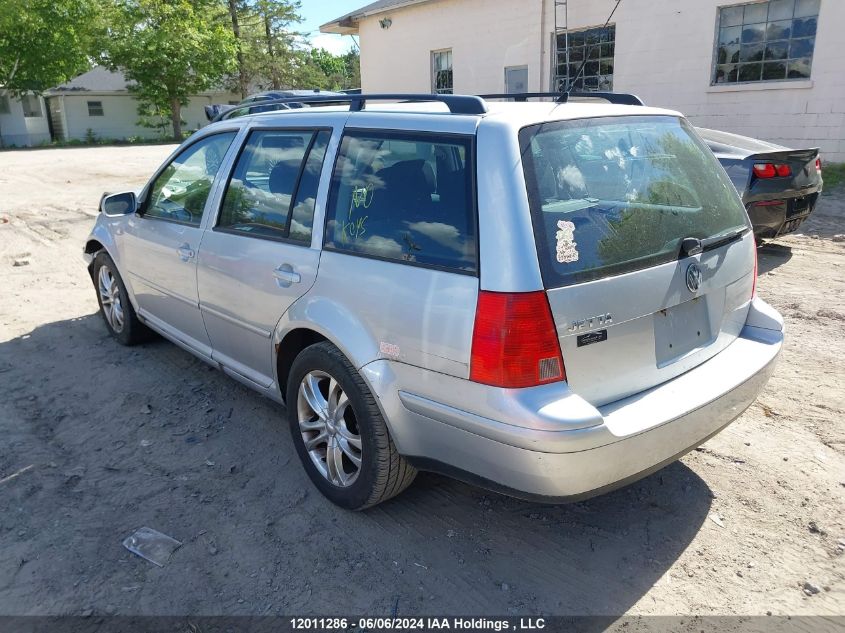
181 190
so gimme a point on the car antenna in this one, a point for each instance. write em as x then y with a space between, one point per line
587 50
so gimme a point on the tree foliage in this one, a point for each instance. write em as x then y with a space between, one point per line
170 49
44 42
273 56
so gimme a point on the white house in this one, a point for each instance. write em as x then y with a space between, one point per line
772 69
99 103
23 122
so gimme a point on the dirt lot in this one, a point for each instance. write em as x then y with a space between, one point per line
107 439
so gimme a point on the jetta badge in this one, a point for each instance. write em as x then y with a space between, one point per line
693 277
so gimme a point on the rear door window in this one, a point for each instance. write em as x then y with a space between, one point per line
617 194
404 197
273 187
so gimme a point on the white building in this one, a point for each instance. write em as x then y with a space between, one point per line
772 69
99 103
22 121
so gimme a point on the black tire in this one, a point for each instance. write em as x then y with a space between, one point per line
131 331
383 472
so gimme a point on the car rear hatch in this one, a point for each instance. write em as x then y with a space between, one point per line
644 247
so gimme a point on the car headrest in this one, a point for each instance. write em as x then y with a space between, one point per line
413 179
283 176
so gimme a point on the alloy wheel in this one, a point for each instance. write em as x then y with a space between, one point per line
329 428
110 298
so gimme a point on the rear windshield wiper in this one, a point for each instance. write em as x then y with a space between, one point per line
694 246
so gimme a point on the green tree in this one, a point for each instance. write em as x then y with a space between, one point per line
268 41
341 71
352 74
44 42
170 49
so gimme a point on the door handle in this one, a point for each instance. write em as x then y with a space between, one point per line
285 276
185 252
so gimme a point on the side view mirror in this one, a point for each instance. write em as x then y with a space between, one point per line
117 204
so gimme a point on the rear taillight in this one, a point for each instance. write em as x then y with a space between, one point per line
770 170
514 343
819 165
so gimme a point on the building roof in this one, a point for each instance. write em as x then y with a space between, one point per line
348 24
102 81
98 79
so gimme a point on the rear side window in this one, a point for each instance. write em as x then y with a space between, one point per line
617 194
404 197
273 187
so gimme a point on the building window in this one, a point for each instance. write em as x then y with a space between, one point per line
766 41
31 106
596 46
95 108
4 104
441 72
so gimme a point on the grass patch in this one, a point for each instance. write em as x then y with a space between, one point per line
833 175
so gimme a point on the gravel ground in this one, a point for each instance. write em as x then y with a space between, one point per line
99 440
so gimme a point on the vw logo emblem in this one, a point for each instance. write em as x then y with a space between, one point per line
693 277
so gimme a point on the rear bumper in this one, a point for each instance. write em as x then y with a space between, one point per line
605 447
771 220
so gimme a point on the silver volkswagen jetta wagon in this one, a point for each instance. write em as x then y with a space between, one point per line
546 299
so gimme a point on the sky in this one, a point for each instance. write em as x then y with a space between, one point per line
317 12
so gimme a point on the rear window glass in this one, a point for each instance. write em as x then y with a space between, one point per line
404 197
613 195
271 192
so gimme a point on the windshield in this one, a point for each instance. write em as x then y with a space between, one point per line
617 194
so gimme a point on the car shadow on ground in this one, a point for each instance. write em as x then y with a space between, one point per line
120 438
772 255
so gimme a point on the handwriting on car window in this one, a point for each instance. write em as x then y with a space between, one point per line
362 197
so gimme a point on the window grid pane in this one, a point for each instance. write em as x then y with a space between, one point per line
597 47
765 41
31 106
441 63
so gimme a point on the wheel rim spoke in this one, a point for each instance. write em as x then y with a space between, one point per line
340 406
353 455
349 437
321 438
334 464
310 390
311 425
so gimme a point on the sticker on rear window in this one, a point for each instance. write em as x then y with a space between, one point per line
566 251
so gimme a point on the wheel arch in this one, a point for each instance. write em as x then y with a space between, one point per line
98 241
312 320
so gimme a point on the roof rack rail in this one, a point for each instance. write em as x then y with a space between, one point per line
457 104
618 98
